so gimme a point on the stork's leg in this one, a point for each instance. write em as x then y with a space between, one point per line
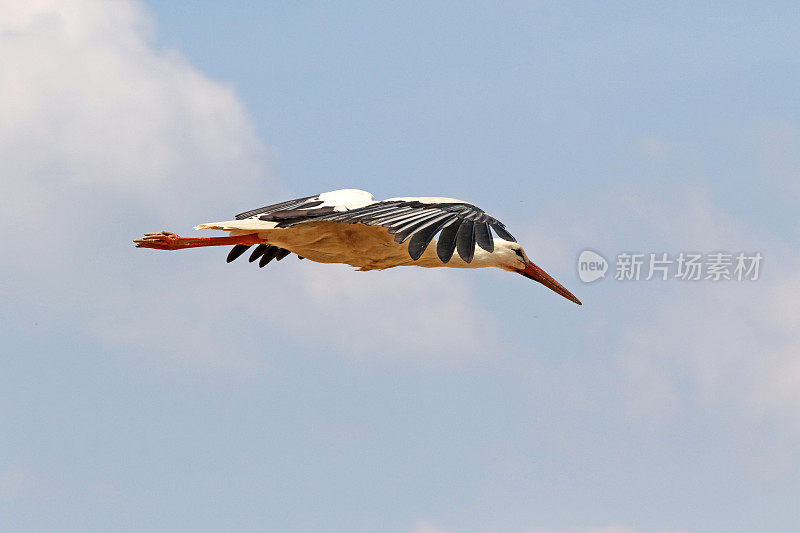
165 240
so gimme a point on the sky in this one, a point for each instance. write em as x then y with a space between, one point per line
151 391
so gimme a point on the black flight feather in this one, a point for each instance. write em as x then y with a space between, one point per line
422 237
289 204
258 252
299 214
411 228
447 241
483 236
237 251
501 231
268 256
465 240
402 223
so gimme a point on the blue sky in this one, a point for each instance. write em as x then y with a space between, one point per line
142 391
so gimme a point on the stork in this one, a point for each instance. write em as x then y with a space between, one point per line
349 226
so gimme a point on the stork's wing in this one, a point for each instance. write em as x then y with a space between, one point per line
462 225
292 206
300 209
263 252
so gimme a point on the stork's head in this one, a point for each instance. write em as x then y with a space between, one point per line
512 257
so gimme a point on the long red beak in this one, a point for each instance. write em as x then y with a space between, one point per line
537 274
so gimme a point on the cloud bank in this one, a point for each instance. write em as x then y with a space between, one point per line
103 135
736 342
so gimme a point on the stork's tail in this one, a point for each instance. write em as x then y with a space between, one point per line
239 227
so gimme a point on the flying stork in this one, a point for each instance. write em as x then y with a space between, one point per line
349 226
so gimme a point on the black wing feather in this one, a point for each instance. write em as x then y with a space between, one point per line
419 242
268 256
258 252
296 215
406 231
501 231
401 223
237 251
483 236
465 240
447 241
289 204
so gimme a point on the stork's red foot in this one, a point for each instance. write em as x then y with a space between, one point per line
165 240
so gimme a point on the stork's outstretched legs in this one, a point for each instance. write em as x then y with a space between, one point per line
165 240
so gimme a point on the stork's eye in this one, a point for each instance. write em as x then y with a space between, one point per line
518 251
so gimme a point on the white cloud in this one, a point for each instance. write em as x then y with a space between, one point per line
16 483
90 108
738 345
727 343
100 132
425 315
104 136
426 527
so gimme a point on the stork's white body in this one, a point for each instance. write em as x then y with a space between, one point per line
358 245
365 247
349 226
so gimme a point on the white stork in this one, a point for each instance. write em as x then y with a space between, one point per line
350 226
